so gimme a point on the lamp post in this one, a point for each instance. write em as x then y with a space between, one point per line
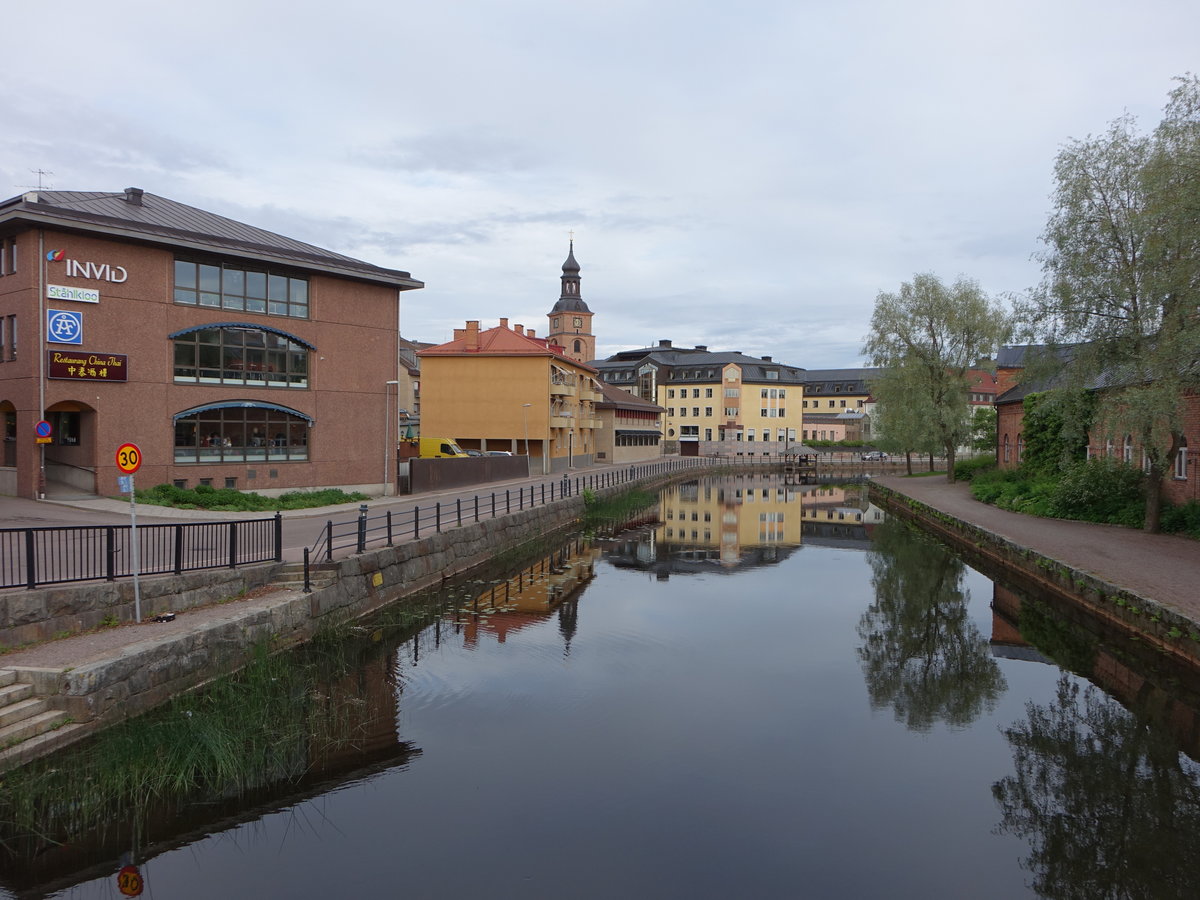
525 418
389 438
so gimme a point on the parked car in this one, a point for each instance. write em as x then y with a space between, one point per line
471 451
498 453
877 455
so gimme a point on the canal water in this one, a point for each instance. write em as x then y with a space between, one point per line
760 689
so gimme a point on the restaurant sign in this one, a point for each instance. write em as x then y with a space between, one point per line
80 366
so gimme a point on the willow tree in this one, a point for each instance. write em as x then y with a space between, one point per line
925 337
1122 279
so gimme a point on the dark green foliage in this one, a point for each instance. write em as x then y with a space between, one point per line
1055 429
1101 490
1182 519
967 469
205 496
1096 490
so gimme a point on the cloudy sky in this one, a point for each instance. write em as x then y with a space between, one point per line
743 175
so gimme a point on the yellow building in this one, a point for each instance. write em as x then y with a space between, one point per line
716 402
507 389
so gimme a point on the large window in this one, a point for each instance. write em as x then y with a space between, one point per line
240 432
232 353
231 287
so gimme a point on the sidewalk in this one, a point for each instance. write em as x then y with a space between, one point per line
1163 568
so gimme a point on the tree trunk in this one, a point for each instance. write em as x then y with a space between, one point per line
908 461
949 463
1154 481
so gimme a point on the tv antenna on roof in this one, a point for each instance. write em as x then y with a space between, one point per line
40 173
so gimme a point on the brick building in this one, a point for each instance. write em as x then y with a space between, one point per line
230 355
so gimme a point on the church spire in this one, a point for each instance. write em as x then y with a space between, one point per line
570 319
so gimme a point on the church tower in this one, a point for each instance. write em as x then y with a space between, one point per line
570 319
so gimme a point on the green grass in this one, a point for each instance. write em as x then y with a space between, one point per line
230 500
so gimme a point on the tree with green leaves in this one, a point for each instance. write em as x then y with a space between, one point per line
1122 278
902 424
926 337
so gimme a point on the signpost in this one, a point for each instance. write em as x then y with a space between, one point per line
43 431
129 460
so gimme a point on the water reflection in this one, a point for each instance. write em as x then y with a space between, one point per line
922 654
728 524
1109 806
548 586
702 741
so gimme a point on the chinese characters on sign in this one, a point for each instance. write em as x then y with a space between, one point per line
86 366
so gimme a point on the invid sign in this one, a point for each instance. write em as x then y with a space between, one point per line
78 268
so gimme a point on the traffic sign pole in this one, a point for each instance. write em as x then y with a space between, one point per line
129 460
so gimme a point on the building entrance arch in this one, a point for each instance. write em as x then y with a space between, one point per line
70 457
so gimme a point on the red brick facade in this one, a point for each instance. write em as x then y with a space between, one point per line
351 328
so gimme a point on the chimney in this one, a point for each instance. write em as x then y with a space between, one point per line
519 329
134 196
472 334
702 347
766 359
460 334
664 343
529 332
503 323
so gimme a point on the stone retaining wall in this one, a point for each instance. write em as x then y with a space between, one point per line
1166 629
30 617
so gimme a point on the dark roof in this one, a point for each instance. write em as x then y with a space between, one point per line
615 397
570 304
690 365
136 215
844 381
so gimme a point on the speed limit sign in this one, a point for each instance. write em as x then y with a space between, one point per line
129 458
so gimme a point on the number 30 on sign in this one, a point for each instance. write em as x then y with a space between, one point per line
129 458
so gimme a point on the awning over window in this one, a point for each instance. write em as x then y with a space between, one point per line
249 326
649 431
240 404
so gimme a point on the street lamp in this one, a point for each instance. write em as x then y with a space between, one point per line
389 439
525 417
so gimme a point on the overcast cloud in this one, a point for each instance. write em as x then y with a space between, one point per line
746 176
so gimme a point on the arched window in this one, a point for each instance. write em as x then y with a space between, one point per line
579 346
1127 449
241 353
1020 447
1007 449
240 431
1181 460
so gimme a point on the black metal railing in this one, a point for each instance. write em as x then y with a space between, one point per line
30 557
389 527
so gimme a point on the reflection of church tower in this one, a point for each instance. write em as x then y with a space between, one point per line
571 320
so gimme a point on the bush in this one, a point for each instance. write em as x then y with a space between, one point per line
967 469
1182 519
1101 490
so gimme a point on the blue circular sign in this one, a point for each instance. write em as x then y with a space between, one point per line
42 428
65 327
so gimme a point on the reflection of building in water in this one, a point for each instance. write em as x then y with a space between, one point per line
530 597
1141 679
717 524
719 518
839 515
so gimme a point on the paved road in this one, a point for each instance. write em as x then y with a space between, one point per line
1165 568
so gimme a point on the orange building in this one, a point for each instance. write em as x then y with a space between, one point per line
506 389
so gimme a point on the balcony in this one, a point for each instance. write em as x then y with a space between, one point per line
558 389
